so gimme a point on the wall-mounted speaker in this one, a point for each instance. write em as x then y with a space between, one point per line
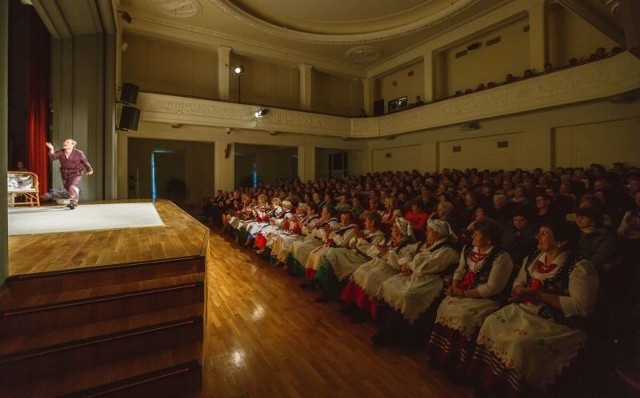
129 94
129 118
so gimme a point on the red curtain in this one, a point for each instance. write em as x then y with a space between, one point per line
38 102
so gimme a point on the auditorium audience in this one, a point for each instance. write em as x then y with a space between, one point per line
397 291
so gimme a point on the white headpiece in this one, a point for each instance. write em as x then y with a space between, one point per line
404 226
441 227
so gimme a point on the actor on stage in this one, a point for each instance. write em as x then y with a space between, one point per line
71 160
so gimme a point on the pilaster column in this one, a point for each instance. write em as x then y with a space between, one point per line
367 95
537 36
427 62
224 166
305 86
306 163
223 72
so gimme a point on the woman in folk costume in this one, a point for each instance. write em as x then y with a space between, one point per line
258 218
476 291
316 237
305 216
340 237
264 217
413 296
360 292
522 348
340 261
277 222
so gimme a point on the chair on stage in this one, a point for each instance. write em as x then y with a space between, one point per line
23 185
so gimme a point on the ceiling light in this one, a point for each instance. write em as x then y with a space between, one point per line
238 70
261 112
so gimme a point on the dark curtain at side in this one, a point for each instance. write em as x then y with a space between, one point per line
38 102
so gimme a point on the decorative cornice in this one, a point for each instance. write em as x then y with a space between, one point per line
206 38
596 80
253 22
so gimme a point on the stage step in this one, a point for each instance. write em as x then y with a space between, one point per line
104 377
96 277
41 339
63 314
56 360
182 380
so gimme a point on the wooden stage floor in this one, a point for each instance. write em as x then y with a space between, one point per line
181 236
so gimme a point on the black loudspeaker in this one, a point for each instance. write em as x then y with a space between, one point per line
129 93
129 118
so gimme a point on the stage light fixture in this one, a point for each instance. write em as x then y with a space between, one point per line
261 112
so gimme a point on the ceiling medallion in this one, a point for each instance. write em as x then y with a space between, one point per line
178 8
363 54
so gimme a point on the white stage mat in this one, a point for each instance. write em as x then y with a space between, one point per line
48 219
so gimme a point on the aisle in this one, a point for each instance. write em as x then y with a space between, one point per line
266 337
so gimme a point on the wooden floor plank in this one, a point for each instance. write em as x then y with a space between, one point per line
182 236
266 337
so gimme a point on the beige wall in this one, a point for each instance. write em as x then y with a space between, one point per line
265 83
336 94
163 66
396 158
407 81
602 143
569 36
599 132
485 63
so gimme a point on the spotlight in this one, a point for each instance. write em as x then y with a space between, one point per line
261 112
238 70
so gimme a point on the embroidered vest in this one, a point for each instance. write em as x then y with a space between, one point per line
558 285
481 276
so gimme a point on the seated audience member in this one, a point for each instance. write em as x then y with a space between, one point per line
338 236
388 213
343 203
296 228
360 293
373 207
416 216
519 235
468 212
414 294
629 231
262 220
278 223
544 209
445 212
596 243
342 257
501 208
356 207
475 292
300 250
520 196
590 200
522 348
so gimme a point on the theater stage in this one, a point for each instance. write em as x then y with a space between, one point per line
180 236
132 297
